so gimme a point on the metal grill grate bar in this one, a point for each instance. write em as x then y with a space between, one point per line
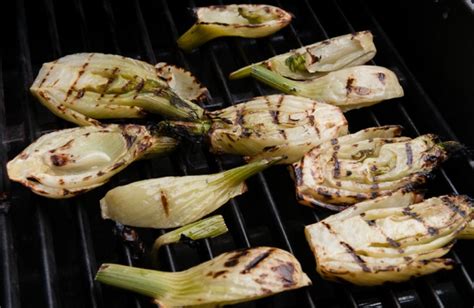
9 280
48 263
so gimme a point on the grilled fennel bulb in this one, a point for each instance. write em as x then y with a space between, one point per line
170 202
315 60
372 162
84 87
69 162
230 278
389 239
244 20
349 88
266 126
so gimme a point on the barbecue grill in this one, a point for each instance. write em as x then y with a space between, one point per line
50 250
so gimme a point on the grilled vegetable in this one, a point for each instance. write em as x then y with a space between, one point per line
170 202
348 88
267 126
315 60
389 239
244 20
209 227
230 278
69 162
83 87
370 163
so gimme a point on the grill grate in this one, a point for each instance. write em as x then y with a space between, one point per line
50 250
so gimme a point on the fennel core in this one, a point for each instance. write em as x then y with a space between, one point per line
170 202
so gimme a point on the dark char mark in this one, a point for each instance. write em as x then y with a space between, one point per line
381 77
452 206
337 167
219 273
59 159
409 152
234 260
164 203
356 257
256 261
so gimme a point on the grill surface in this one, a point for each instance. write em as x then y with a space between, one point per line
50 250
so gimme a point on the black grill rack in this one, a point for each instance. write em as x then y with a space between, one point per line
50 250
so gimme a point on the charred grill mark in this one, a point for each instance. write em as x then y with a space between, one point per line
234 260
100 173
239 119
59 160
283 133
337 166
109 82
47 74
139 86
79 74
125 86
67 145
392 242
381 77
431 230
356 257
219 273
453 206
285 272
61 181
349 83
328 226
164 203
371 223
256 261
33 179
348 173
274 114
23 155
409 152
407 211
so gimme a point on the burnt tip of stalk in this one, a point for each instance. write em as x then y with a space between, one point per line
190 131
456 149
